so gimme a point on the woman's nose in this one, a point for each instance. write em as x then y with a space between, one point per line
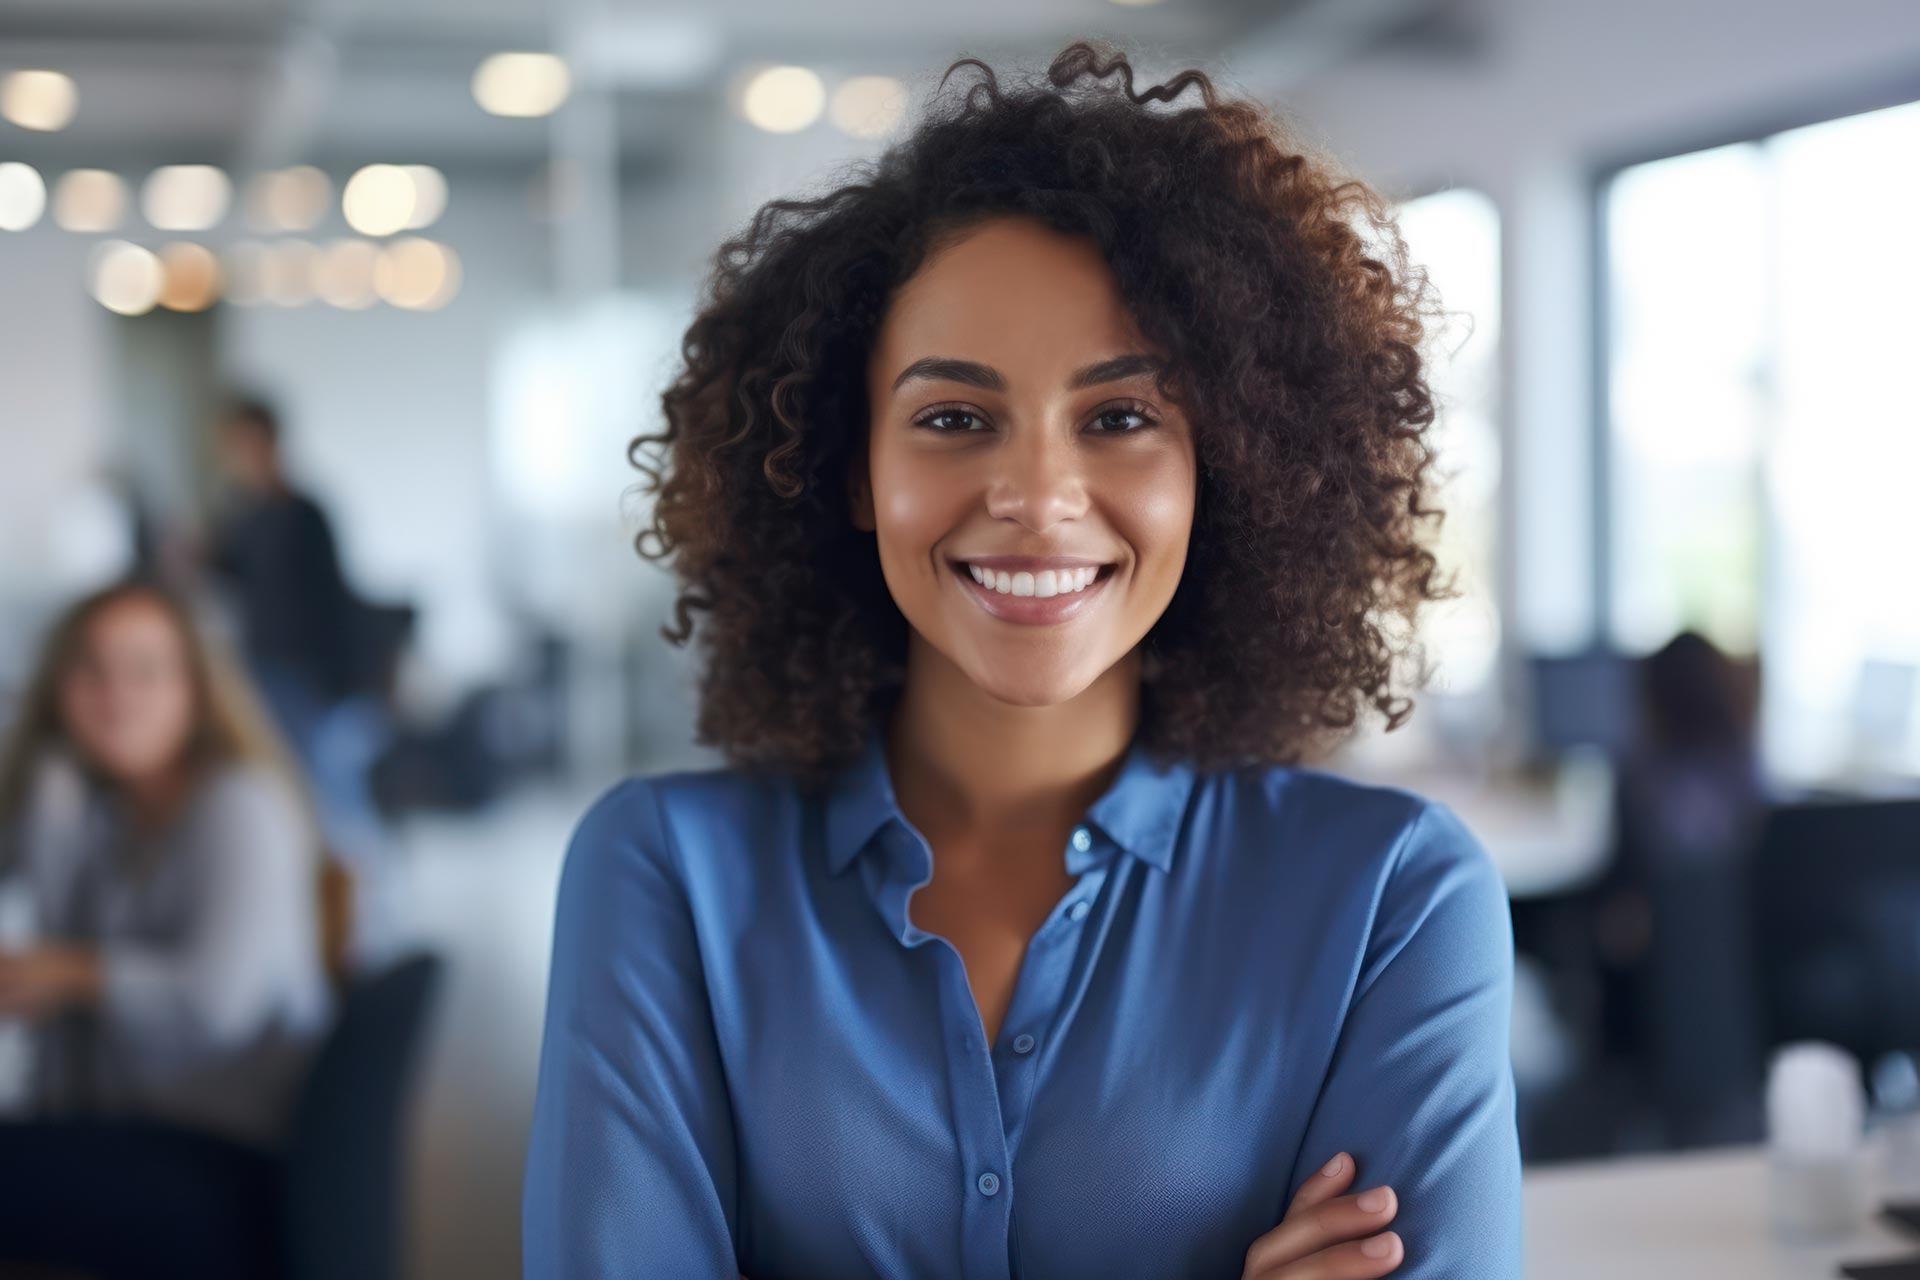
1038 479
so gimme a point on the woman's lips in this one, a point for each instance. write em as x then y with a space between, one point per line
1032 610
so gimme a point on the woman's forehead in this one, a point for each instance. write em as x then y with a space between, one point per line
1012 295
132 620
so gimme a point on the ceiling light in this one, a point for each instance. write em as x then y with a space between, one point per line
783 99
429 195
344 274
41 100
89 200
868 106
190 277
126 278
522 84
417 274
379 199
185 197
293 199
23 196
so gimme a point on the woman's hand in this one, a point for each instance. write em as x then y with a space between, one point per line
1328 1236
43 980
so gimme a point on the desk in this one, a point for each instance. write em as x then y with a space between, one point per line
1683 1216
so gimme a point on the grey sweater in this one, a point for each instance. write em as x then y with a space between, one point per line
214 995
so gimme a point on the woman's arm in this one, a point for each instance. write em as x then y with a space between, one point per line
630 1170
1420 1089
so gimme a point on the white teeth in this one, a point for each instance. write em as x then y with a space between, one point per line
1048 582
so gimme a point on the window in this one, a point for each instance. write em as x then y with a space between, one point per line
1454 235
1762 457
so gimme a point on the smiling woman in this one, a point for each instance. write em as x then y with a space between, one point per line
1042 499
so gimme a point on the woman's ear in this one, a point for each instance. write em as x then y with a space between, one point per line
860 496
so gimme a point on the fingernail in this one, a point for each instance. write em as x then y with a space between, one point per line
1373 1201
1377 1246
1335 1165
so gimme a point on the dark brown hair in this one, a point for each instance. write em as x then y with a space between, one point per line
1294 347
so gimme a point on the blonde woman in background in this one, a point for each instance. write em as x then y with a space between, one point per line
177 972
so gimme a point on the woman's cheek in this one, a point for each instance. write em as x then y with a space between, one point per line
917 505
1155 513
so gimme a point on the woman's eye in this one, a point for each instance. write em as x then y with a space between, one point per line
1112 421
933 419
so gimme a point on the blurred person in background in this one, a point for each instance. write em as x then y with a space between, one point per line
177 973
1682 996
310 641
174 988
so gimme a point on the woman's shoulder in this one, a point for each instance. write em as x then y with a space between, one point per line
244 795
658 813
237 781
1384 824
1387 859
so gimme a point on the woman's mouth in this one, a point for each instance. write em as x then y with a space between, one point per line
1048 596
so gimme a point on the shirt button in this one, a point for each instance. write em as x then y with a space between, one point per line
988 1184
1081 840
1078 912
1023 1044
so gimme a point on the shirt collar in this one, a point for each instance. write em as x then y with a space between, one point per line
1140 810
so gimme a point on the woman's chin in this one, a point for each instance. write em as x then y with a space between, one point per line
1032 687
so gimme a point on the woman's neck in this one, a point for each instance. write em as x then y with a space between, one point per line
964 762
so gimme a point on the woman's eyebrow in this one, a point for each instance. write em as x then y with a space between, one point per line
985 376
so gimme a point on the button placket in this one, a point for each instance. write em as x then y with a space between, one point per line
1033 1018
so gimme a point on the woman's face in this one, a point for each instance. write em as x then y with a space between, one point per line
1016 432
126 698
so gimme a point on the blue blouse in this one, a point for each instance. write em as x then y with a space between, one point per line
754 1062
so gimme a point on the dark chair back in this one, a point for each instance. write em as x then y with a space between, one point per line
344 1172
1837 898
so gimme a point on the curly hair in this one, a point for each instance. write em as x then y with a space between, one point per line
1293 348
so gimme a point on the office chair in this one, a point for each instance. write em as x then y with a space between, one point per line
1837 923
197 1206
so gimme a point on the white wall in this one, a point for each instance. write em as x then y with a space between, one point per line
54 433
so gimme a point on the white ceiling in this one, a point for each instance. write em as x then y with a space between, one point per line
340 82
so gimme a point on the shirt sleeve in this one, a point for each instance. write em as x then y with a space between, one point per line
216 986
1421 1088
630 1166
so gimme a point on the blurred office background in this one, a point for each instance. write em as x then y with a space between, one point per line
452 247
